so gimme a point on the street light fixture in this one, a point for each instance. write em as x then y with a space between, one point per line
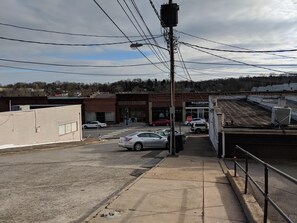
172 149
136 45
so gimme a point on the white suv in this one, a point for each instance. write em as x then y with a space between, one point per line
200 120
199 127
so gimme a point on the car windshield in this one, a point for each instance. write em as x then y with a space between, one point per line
161 133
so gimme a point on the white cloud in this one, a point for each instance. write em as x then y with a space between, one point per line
253 24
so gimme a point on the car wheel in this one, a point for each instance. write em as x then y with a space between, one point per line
153 124
138 146
198 131
167 124
85 127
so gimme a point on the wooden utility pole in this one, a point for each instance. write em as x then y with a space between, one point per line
169 19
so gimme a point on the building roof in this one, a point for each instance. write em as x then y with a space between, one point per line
244 114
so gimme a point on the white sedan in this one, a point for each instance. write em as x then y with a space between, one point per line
143 140
94 124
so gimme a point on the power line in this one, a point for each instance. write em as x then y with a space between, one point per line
237 61
79 73
137 29
237 47
237 64
150 33
76 65
157 14
67 33
99 6
184 67
242 51
140 64
65 44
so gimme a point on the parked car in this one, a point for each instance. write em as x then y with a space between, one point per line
161 122
143 140
198 120
199 127
94 124
166 133
189 121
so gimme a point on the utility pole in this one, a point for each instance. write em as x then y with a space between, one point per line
169 19
172 90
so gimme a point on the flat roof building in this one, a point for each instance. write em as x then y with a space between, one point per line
251 122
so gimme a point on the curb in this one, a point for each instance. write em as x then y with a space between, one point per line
250 206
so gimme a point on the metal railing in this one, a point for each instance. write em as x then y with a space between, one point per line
264 191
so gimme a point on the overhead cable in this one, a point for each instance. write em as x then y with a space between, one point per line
140 64
66 72
157 14
237 47
99 6
139 30
67 33
237 64
67 44
76 65
184 67
242 51
237 61
150 33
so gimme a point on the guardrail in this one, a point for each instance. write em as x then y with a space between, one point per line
264 191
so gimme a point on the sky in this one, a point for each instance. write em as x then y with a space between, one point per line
81 41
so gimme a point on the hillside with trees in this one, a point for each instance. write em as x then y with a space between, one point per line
139 86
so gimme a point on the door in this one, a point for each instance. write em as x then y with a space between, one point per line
156 141
145 140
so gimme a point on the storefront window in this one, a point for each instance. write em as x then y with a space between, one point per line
160 113
132 114
197 113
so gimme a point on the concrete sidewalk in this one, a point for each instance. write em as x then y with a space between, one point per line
188 188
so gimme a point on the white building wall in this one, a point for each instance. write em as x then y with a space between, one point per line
40 126
215 122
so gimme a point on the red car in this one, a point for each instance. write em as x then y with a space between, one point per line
161 122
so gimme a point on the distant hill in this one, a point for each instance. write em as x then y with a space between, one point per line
139 85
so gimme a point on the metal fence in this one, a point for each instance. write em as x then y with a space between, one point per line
264 192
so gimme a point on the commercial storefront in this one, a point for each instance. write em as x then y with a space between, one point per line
197 109
102 108
132 108
128 107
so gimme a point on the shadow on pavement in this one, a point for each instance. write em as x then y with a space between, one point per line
198 146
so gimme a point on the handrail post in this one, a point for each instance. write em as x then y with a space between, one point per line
235 161
235 169
266 193
246 173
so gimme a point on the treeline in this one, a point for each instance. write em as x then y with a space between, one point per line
138 85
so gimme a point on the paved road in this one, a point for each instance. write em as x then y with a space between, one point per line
118 131
66 184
